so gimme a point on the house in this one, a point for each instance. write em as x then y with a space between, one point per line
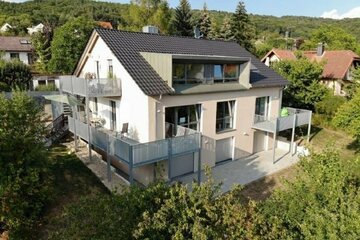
164 106
16 48
103 24
6 27
338 65
35 29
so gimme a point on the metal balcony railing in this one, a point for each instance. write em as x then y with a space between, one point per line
98 87
298 116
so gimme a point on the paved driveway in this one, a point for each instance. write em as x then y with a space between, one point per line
246 170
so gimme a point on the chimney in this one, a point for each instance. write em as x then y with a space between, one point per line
150 29
320 49
197 33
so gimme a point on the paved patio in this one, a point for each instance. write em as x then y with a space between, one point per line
246 170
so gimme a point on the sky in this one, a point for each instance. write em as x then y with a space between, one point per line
336 9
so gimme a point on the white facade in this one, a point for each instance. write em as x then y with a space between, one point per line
35 29
6 27
23 56
145 115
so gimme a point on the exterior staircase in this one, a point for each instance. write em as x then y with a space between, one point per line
56 130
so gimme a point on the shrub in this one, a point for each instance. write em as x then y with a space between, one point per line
46 88
322 203
23 163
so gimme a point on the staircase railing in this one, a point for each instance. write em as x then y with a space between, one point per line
56 125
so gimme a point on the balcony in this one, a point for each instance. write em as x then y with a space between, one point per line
136 154
295 118
102 87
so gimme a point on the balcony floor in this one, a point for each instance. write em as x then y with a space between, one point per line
246 170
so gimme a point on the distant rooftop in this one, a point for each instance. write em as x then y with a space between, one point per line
15 44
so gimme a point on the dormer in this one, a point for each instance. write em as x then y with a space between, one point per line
199 74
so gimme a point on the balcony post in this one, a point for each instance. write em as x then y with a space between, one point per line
75 135
109 150
292 147
199 159
88 117
169 157
274 140
131 165
309 127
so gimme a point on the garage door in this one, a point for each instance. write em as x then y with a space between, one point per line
182 165
259 141
224 150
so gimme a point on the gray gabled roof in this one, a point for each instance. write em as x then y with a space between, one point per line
127 47
15 44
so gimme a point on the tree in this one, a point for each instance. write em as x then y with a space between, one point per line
225 31
351 87
182 23
335 38
14 75
205 22
321 203
241 28
23 163
304 89
41 41
214 31
68 44
348 116
148 12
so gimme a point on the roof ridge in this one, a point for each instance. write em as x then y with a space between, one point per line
163 35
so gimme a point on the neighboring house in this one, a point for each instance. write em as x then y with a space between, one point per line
337 65
6 27
40 81
103 24
16 48
35 29
173 100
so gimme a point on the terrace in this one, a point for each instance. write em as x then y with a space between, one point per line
182 141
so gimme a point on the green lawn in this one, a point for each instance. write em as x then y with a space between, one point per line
72 180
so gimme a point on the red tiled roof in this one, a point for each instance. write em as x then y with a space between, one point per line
16 44
281 54
105 24
337 62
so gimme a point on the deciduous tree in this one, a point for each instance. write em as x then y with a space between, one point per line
23 164
68 44
14 75
304 89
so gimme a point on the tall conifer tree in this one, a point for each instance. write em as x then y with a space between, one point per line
205 22
182 23
241 27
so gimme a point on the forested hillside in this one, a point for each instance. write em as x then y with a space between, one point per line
258 35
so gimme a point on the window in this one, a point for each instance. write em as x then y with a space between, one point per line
225 112
218 73
231 72
194 73
15 56
110 69
185 116
179 73
205 73
30 58
262 109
